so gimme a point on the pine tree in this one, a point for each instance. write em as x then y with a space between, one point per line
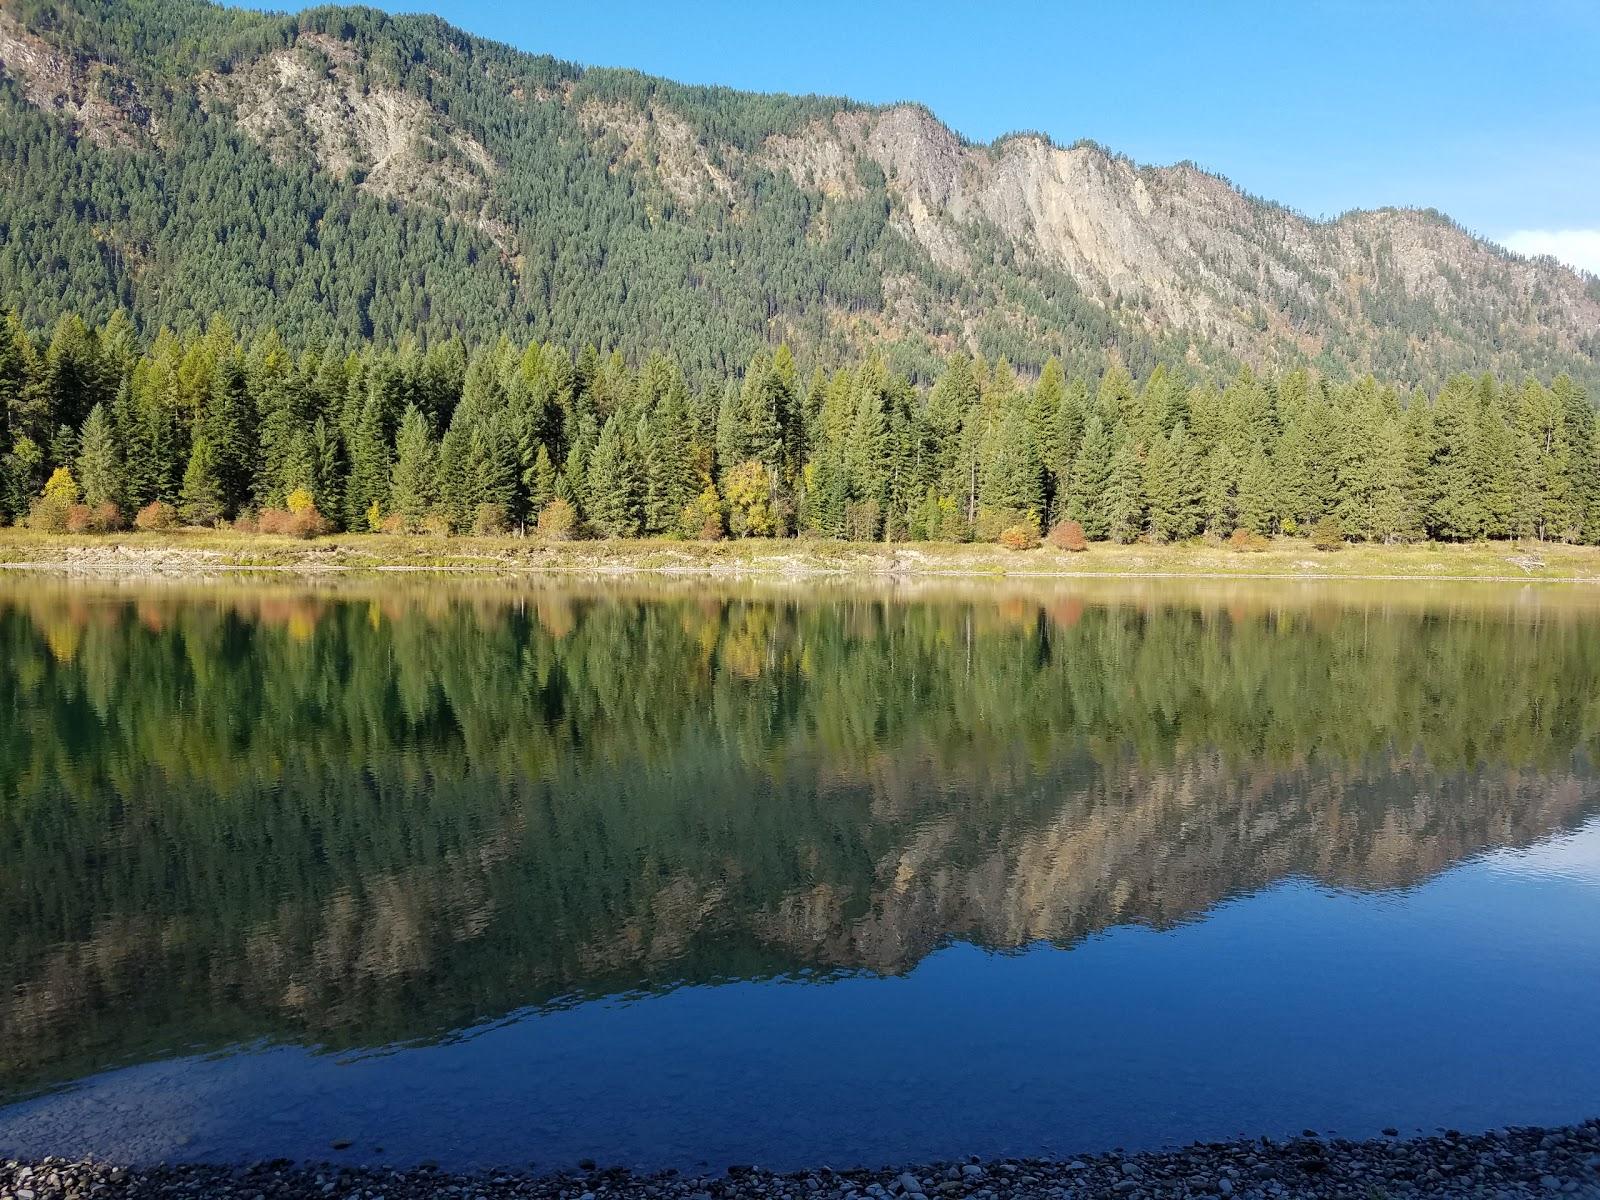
451 480
368 481
866 457
1544 506
952 398
1091 475
1456 508
1121 510
1583 471
1046 435
826 495
202 498
733 446
1305 486
492 476
99 463
1171 486
1222 490
278 420
327 466
1257 501
615 491
1394 514
228 428
540 481
670 478
22 475
1355 467
864 453
1493 458
414 481
1011 476
1071 416
788 408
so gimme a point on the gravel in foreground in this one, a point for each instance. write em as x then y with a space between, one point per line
1517 1162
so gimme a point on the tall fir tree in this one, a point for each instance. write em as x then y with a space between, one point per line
615 491
99 466
540 481
1122 510
414 481
1091 477
202 501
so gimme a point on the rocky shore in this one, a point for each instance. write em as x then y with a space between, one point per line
1516 1162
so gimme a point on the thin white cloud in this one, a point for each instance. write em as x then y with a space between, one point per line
1578 248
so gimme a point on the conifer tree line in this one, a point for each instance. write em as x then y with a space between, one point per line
215 428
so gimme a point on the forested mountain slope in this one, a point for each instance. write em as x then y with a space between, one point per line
344 173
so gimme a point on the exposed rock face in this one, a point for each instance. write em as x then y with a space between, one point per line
307 102
659 140
1179 252
102 104
1186 250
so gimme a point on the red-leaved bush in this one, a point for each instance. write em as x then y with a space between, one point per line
307 523
1068 535
156 516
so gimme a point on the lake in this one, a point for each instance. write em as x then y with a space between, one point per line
674 874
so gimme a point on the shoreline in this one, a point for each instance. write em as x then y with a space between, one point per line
1526 1161
193 553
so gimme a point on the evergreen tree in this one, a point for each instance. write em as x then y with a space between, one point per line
1493 458
326 460
367 489
615 491
492 476
99 463
670 478
1542 494
1257 501
1121 510
540 481
1455 468
414 482
201 500
826 495
1087 500
200 419
22 475
228 428
1222 491
452 485
1048 434
1583 469
1171 486
1306 487
1011 476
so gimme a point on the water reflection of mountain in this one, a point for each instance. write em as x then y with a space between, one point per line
361 819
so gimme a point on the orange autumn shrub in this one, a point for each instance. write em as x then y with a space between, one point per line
155 517
1019 537
1068 535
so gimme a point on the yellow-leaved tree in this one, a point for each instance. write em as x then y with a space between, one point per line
748 490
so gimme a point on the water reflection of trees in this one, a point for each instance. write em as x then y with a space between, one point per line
375 816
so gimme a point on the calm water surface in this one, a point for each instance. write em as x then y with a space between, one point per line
679 876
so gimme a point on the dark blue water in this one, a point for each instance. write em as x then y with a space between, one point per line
959 918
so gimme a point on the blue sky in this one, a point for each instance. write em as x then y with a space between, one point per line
1490 112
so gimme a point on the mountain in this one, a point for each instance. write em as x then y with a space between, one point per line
346 173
